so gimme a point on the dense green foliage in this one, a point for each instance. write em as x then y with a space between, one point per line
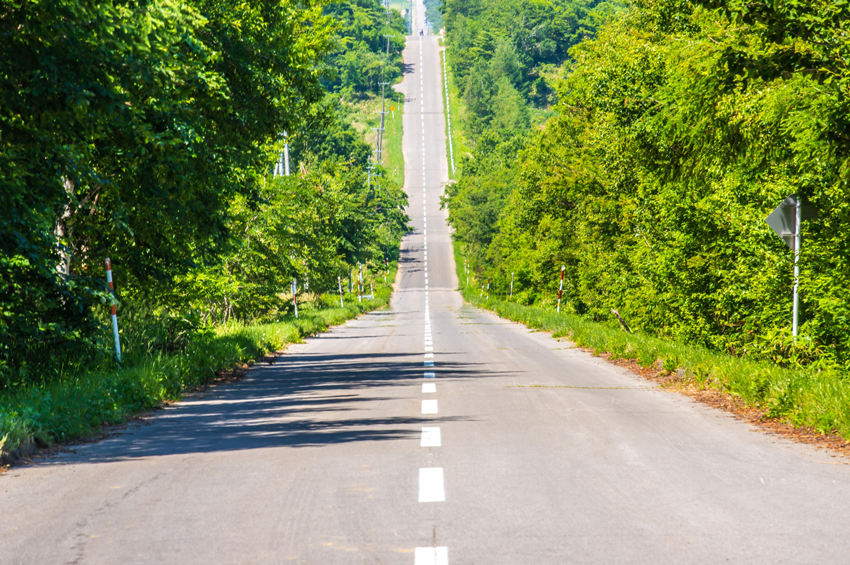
359 59
433 14
146 131
504 54
678 128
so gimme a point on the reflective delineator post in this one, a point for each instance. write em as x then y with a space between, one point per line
561 288
359 282
488 288
512 285
113 311
294 296
286 152
796 309
339 282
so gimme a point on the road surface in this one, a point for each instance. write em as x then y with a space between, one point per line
415 436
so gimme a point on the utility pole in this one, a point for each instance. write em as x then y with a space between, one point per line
383 115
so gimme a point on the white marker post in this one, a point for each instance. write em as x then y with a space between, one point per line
561 288
339 282
359 282
512 285
488 288
294 296
798 212
112 308
286 153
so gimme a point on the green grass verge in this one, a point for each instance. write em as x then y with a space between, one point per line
459 145
392 149
366 115
810 399
77 406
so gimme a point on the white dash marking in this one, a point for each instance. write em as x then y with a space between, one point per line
429 387
431 487
428 364
429 407
430 374
431 556
430 437
429 356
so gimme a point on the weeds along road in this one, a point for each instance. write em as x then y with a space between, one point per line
415 435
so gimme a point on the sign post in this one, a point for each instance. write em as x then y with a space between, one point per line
785 221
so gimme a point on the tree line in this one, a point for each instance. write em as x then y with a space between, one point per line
676 128
147 131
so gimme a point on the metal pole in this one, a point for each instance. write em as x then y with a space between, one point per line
112 309
561 288
383 115
799 214
512 285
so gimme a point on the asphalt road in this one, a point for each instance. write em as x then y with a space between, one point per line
348 450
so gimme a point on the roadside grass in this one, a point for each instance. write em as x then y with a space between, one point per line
366 115
392 147
804 398
77 405
460 146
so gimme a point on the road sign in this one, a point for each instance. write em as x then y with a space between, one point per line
783 219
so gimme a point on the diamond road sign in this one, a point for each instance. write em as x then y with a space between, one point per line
783 219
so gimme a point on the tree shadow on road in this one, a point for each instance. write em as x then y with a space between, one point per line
304 400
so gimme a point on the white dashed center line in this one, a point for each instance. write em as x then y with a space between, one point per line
429 387
431 487
431 437
429 407
431 556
